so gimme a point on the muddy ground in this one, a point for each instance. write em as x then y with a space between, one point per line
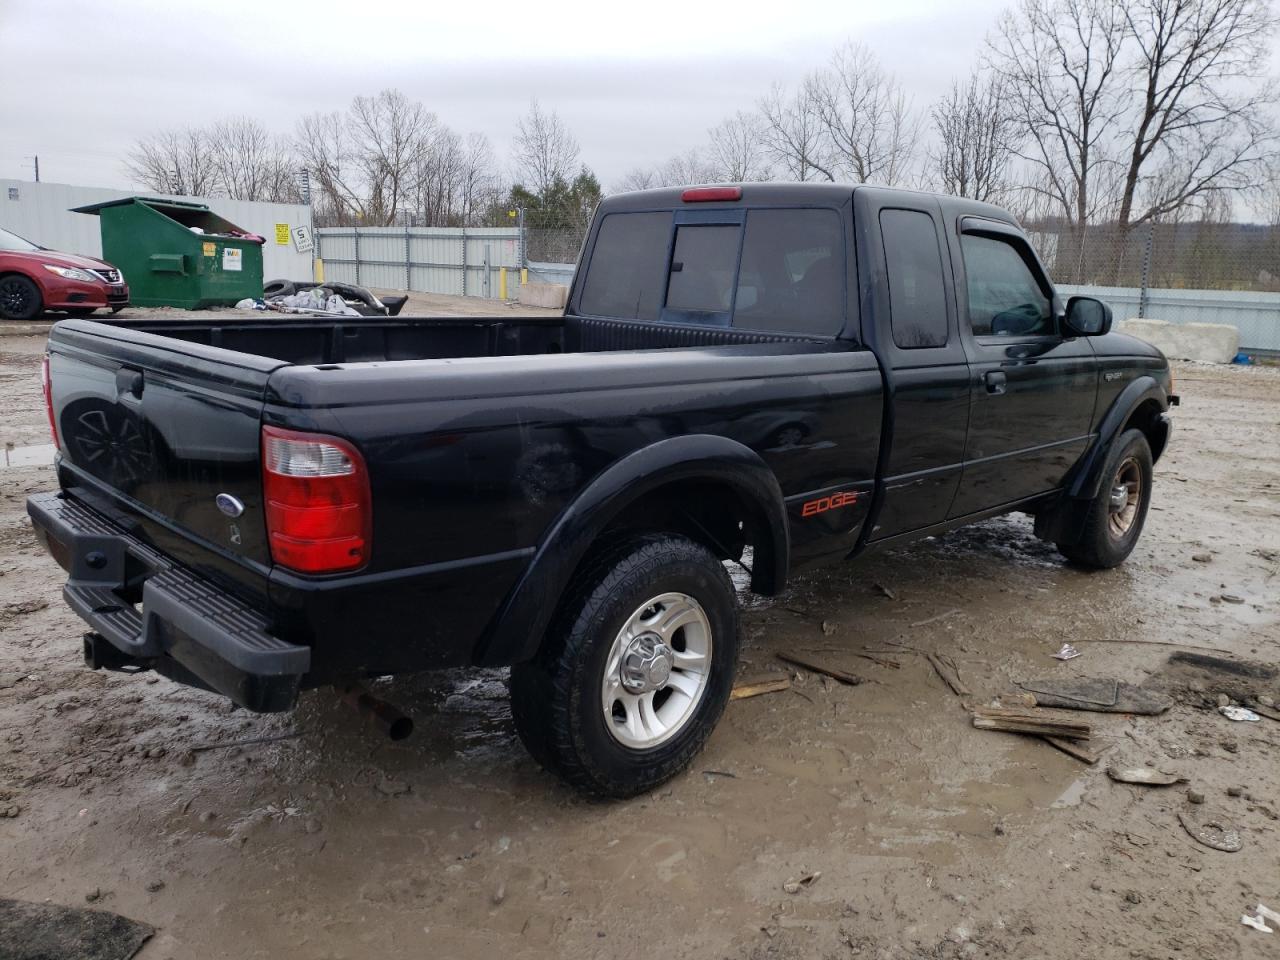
933 839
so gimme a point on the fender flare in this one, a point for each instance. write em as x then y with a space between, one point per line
516 631
1088 476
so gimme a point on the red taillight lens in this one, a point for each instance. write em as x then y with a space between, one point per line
706 194
46 385
316 491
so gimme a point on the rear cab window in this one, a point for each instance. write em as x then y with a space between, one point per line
917 294
778 270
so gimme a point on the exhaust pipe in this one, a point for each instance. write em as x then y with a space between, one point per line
396 725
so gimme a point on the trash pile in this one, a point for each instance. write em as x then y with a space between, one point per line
325 300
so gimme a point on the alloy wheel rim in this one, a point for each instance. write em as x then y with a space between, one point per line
13 296
657 671
1126 497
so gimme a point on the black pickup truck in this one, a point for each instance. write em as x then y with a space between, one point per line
778 375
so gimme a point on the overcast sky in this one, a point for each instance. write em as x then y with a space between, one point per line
81 80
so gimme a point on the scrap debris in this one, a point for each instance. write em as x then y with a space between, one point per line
1146 776
1213 833
1100 695
1239 714
1066 652
1258 919
796 884
760 687
1029 721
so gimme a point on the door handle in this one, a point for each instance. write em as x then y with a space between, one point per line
995 381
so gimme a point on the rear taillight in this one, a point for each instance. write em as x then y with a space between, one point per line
46 384
316 491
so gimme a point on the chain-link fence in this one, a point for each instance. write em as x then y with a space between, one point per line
1197 272
1179 256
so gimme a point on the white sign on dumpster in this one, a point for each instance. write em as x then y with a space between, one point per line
231 259
302 241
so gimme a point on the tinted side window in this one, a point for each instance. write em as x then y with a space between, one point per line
702 268
793 270
1004 297
917 296
628 267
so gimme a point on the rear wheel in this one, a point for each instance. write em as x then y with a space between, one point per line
1113 520
635 670
19 297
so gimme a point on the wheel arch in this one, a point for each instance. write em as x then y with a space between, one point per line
722 482
1141 404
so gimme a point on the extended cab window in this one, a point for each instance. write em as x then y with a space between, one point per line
1005 298
792 275
628 267
917 297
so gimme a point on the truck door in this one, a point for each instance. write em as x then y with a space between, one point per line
926 373
1032 390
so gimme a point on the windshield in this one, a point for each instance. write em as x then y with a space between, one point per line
11 241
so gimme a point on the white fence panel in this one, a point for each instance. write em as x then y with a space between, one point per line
449 260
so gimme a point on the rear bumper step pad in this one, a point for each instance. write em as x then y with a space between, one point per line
212 634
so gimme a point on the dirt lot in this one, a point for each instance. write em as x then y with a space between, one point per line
933 839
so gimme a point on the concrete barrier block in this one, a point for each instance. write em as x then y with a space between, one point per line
1205 342
553 295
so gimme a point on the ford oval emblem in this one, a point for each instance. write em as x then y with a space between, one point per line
229 505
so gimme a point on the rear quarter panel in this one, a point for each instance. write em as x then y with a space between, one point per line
472 460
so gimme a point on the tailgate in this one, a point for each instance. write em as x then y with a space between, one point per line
165 433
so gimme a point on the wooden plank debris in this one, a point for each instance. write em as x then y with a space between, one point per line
1029 721
755 689
1074 750
946 668
835 673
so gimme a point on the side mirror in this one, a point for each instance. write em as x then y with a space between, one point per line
1086 317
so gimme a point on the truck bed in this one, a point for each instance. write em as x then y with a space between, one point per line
312 340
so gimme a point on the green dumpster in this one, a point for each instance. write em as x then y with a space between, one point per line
178 254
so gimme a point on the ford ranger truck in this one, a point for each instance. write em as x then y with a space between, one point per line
776 375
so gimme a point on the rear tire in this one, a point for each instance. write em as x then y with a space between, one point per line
1113 519
19 298
635 669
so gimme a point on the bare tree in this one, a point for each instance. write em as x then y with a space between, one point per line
179 162
1059 60
637 178
327 150
1200 125
544 150
866 118
792 128
391 132
251 163
975 135
684 168
736 151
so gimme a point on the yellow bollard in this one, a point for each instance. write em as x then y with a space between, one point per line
524 276
502 283
318 270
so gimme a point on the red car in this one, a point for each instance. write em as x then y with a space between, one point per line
33 279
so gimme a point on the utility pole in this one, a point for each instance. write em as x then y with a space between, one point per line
36 162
